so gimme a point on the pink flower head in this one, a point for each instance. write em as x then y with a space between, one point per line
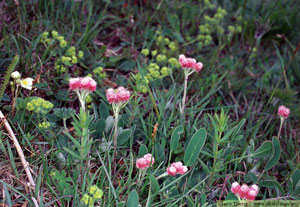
149 158
171 171
198 66
119 95
181 58
254 187
142 163
283 111
235 188
86 83
189 63
123 95
111 96
251 194
177 164
74 83
181 170
179 167
244 191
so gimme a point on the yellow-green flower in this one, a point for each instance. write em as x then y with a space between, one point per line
44 125
145 52
39 105
54 34
87 200
80 54
62 43
154 53
95 192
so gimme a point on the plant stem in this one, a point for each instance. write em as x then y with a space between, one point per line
184 92
280 127
115 137
216 146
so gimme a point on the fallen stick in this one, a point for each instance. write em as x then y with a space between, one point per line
19 150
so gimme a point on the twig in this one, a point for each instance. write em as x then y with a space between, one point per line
19 150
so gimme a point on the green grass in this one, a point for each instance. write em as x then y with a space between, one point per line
242 76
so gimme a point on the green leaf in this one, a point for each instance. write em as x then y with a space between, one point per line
154 184
294 183
160 152
230 197
133 199
272 184
123 137
190 202
72 153
103 110
194 147
275 154
64 113
143 150
175 137
109 123
227 135
264 150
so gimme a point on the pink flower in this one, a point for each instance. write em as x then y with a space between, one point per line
142 163
254 187
74 83
181 170
149 158
251 195
283 111
181 58
116 96
244 191
171 171
179 167
111 96
235 188
123 95
198 66
86 83
190 63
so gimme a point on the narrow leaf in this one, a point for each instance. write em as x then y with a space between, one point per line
194 147
175 137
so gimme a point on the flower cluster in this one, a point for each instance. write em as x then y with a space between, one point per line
177 168
69 57
99 72
144 162
283 111
161 59
94 194
190 63
86 84
119 95
44 125
39 105
156 72
244 191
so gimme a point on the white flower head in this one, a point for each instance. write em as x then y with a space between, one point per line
27 83
16 75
